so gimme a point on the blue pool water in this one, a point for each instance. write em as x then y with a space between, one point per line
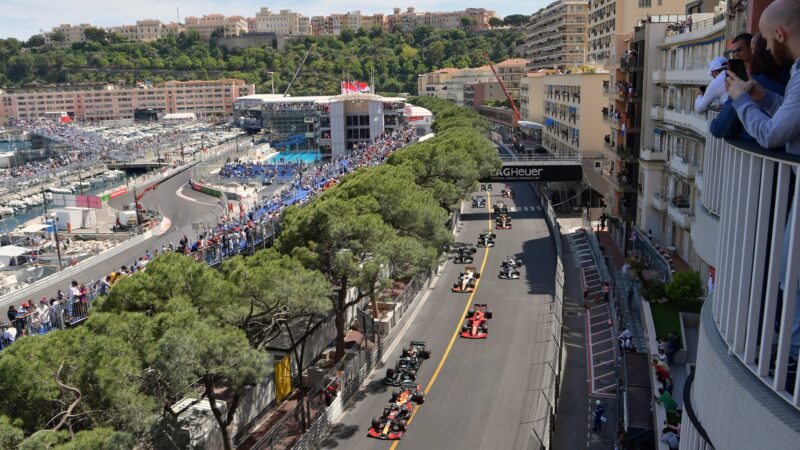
291 157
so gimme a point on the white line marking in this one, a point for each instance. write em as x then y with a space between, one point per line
181 195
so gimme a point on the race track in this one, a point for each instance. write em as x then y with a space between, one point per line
482 396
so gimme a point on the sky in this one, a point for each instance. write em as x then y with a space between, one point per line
24 18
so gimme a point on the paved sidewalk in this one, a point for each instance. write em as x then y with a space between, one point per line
575 415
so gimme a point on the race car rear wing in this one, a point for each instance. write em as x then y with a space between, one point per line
481 306
419 343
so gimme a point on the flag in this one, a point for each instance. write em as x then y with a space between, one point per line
65 119
348 88
361 87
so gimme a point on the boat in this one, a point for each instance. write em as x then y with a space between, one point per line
20 262
7 211
95 180
60 190
113 174
18 204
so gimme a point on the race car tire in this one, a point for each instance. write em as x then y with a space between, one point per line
455 285
484 327
412 374
461 275
489 314
395 393
389 373
473 250
425 353
402 425
477 275
465 327
376 423
418 398
470 312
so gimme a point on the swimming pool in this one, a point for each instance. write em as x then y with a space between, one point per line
307 157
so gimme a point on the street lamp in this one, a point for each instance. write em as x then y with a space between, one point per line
272 74
54 217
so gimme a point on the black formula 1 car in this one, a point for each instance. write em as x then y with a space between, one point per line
393 421
486 187
503 222
476 326
464 255
405 371
467 280
500 208
511 261
479 202
416 352
508 192
486 239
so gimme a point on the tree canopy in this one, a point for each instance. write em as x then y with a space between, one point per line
395 59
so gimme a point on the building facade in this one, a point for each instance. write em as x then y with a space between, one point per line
285 22
207 25
610 21
476 94
449 83
410 19
108 102
557 35
745 390
71 34
332 124
570 102
147 30
674 138
531 95
511 71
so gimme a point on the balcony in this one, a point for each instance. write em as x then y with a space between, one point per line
659 76
693 121
657 113
652 154
755 238
688 76
659 203
681 167
698 180
680 214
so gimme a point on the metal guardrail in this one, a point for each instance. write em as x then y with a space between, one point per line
538 158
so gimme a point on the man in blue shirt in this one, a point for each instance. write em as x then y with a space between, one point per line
774 120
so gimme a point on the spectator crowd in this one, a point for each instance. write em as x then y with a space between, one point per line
234 234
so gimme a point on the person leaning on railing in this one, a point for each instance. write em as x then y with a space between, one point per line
774 120
766 72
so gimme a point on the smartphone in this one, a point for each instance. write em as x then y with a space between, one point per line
737 67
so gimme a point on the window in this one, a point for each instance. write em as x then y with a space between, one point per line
646 3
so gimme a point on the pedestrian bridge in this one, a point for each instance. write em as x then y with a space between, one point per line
543 168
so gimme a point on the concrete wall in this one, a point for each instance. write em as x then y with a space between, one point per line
251 40
737 410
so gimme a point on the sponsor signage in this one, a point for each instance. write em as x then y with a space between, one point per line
544 173
118 192
78 201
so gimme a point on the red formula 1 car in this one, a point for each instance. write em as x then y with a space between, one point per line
476 326
508 192
503 222
393 422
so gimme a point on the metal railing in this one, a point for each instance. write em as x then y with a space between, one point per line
756 290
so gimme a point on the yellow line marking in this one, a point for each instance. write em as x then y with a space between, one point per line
460 321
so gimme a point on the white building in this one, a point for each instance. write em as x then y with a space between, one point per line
285 22
557 35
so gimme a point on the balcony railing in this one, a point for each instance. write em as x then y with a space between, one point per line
680 213
756 289
694 121
659 203
657 113
652 154
681 167
713 165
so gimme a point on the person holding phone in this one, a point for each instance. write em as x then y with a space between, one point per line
766 72
715 92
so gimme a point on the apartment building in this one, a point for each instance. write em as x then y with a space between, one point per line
410 19
207 25
570 103
531 95
744 392
476 94
147 30
107 102
557 35
449 83
610 21
334 24
511 71
675 136
66 34
285 22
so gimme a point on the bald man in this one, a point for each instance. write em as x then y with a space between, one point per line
778 124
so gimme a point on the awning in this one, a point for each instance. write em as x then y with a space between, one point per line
34 228
13 251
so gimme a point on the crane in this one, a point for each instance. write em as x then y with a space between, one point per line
502 86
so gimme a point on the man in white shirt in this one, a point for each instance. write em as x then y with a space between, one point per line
716 92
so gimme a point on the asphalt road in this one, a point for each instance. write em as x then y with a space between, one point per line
178 202
482 395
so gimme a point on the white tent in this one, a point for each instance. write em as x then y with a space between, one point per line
12 251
